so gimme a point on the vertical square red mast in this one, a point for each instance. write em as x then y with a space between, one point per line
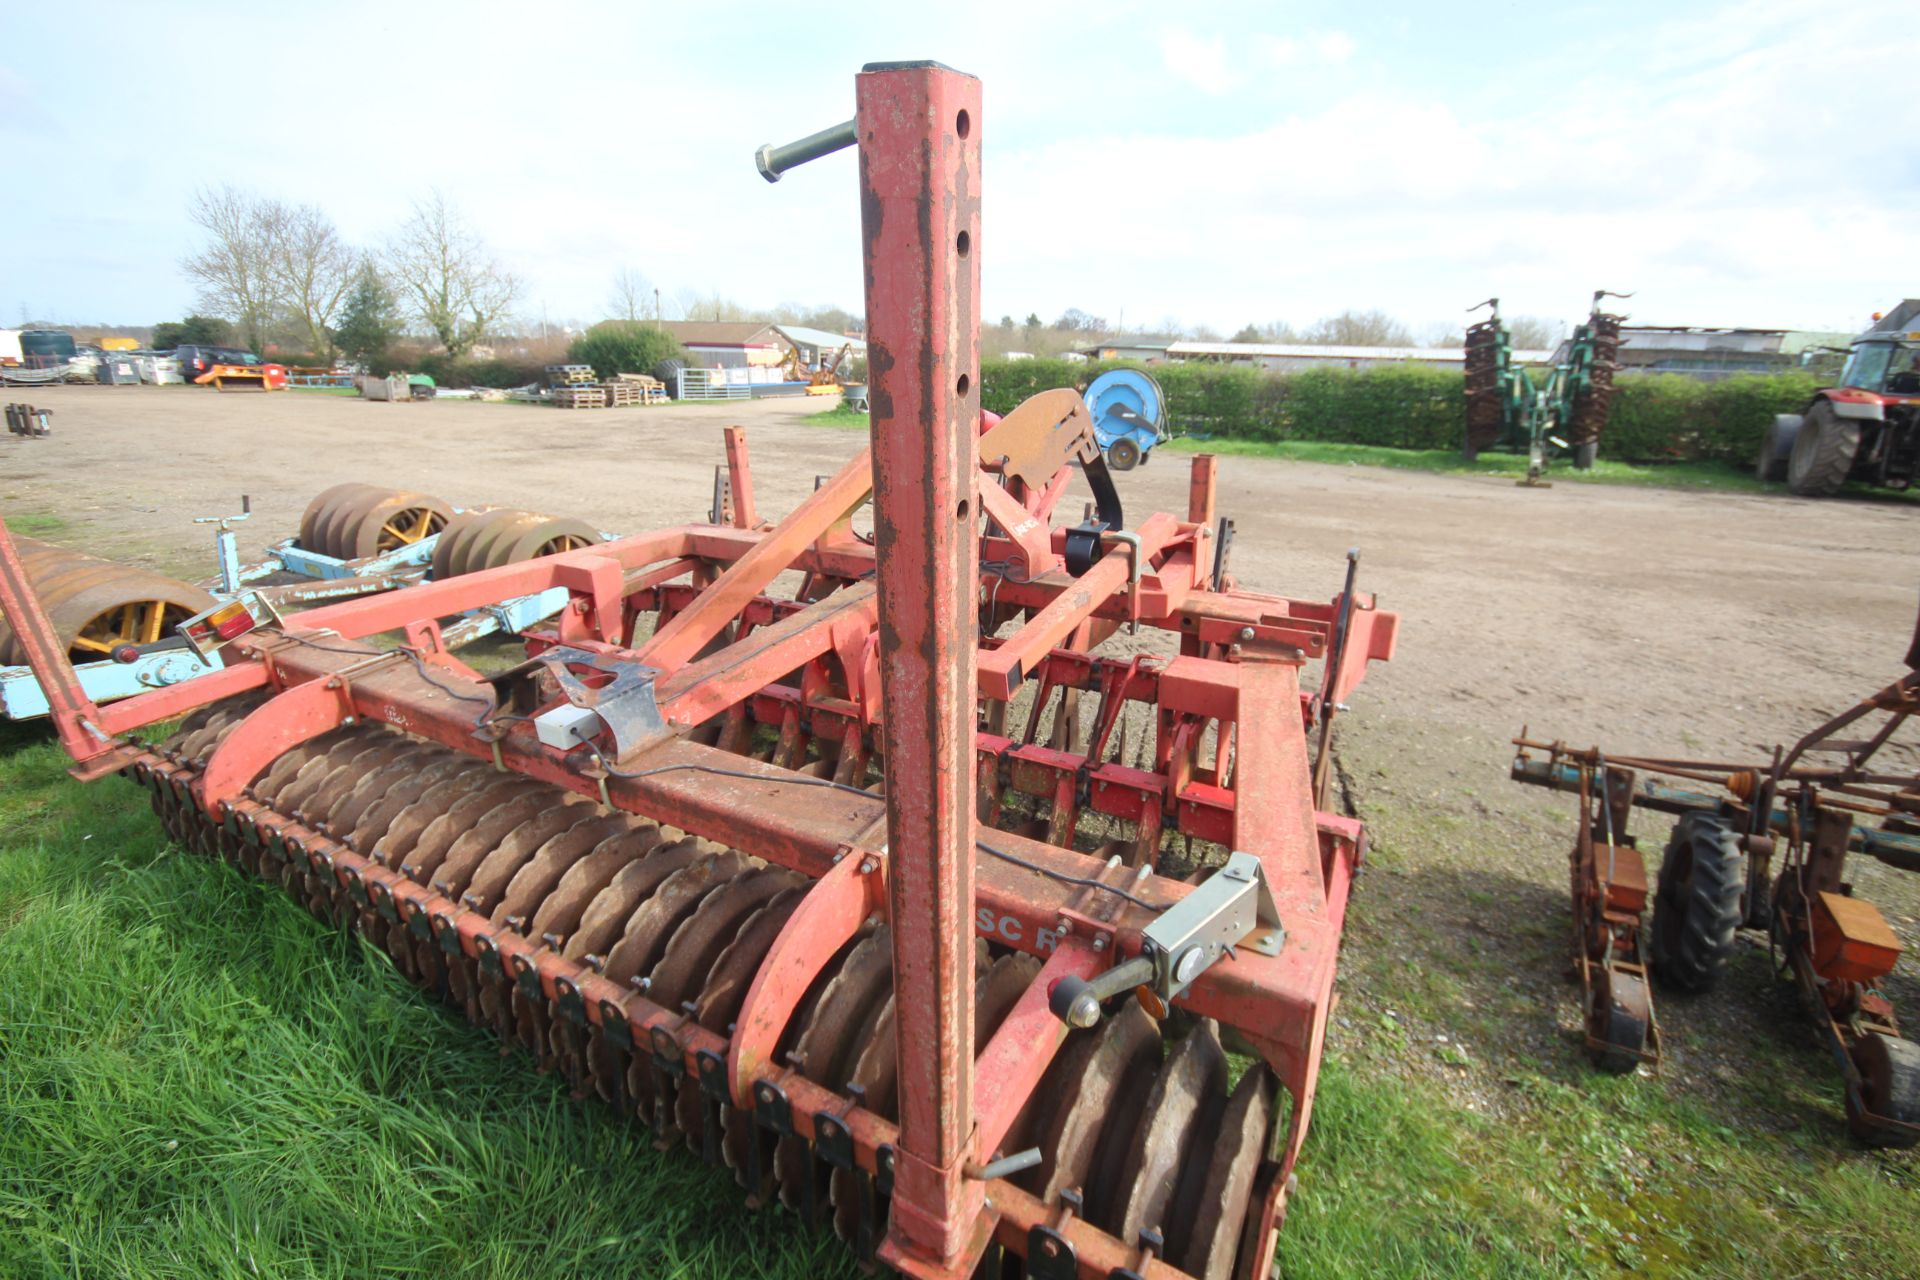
919 143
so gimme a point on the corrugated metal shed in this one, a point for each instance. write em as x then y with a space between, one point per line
801 336
1289 355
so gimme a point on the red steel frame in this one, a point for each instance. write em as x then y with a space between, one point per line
897 655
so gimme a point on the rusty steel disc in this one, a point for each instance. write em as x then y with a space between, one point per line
332 519
550 535
388 748
697 944
726 987
1194 1072
355 754
321 504
399 519
462 817
412 822
472 555
533 817
537 879
560 913
344 810
517 825
1209 1214
380 811
458 529
1105 1071
480 822
652 923
831 1038
605 918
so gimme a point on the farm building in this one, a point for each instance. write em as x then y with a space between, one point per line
1290 356
1710 354
819 347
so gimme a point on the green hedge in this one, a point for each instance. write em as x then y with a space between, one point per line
1655 418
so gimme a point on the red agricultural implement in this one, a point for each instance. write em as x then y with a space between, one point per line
903 895
1811 806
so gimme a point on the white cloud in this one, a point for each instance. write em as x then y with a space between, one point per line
1333 47
1198 60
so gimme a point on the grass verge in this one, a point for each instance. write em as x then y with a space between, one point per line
839 416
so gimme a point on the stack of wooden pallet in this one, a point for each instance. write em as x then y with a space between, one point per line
645 390
580 397
622 394
570 375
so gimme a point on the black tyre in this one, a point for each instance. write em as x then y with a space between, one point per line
1776 444
1584 454
1889 1089
1123 454
1822 452
1696 910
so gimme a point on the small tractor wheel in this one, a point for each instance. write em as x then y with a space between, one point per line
1584 454
1776 445
1696 910
1822 452
1617 1021
1889 1088
1123 454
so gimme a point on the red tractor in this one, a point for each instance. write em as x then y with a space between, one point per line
1867 429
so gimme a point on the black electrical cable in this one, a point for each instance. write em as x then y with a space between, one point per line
412 655
745 776
829 784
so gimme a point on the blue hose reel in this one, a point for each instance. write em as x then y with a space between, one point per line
1129 412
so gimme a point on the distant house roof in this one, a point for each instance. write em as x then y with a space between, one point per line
722 333
1306 351
801 336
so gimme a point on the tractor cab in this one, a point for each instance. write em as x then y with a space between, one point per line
1885 366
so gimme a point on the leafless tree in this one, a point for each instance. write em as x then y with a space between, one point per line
448 276
1535 333
1358 329
314 269
632 297
695 305
235 268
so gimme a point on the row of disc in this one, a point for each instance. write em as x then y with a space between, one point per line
492 537
1152 1139
95 604
354 520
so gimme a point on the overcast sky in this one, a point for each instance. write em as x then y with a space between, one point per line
1736 164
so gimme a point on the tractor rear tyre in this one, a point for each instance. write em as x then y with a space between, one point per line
1584 454
1822 452
1123 455
1889 1090
1696 910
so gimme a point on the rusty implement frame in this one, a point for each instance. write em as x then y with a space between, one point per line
804 878
1763 845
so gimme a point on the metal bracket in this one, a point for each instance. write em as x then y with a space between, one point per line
1232 908
625 707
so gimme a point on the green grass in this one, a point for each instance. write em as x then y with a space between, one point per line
33 524
1673 475
839 416
199 1079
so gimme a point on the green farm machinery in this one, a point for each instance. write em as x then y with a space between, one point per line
1508 411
